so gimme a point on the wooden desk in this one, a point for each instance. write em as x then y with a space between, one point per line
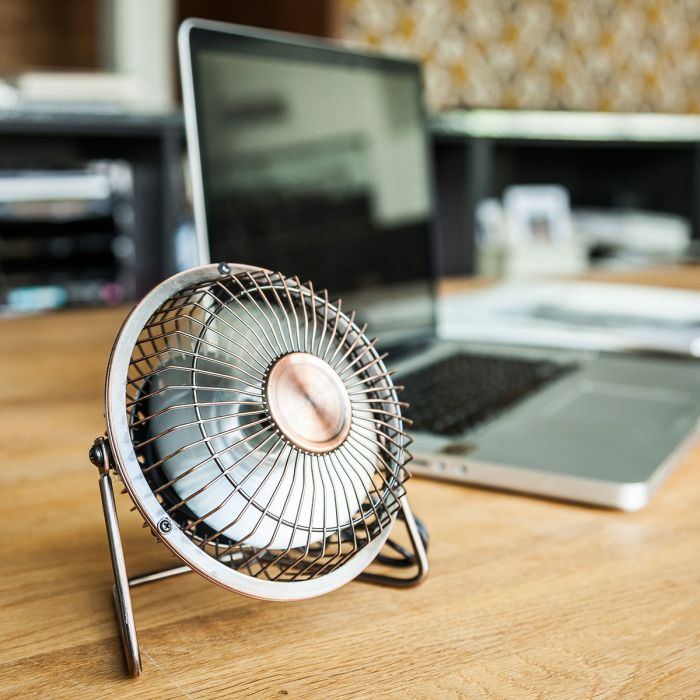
526 597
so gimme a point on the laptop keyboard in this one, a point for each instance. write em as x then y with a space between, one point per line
461 391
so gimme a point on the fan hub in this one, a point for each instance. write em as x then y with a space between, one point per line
308 402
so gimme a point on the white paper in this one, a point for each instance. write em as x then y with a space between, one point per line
588 315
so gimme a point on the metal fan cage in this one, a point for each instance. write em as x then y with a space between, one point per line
211 452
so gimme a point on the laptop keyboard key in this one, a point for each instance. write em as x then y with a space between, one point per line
464 390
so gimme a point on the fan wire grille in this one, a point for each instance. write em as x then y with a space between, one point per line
215 457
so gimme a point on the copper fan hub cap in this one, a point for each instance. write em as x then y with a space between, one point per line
308 402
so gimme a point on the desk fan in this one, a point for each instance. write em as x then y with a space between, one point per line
259 433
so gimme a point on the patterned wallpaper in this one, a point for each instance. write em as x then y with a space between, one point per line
611 55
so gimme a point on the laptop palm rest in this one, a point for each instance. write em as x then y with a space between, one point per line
615 422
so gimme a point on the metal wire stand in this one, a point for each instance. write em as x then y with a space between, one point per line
121 593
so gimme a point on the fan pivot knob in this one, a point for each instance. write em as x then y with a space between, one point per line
308 402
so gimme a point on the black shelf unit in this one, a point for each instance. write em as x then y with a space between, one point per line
646 171
152 144
659 174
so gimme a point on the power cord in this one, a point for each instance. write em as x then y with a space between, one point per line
407 558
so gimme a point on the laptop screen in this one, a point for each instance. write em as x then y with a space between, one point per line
315 163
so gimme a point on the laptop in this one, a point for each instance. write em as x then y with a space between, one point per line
314 160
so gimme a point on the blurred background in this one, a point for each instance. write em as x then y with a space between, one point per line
564 134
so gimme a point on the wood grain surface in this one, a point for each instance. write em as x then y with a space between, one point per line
526 597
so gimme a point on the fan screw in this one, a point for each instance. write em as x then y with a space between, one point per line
165 526
96 456
99 455
224 269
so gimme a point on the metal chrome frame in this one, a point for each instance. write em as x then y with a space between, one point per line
116 453
135 482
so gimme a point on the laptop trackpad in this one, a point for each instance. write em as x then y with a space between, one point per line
594 428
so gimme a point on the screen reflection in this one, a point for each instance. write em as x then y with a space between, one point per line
316 167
